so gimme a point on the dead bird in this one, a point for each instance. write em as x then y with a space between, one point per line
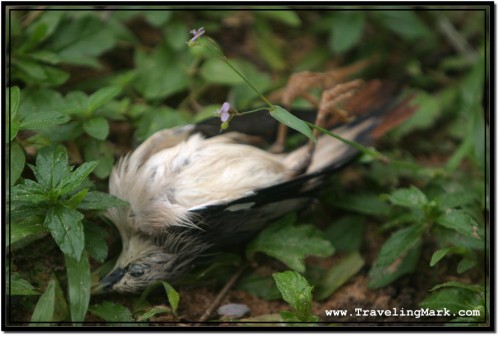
192 189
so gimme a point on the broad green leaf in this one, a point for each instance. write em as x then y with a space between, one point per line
277 240
382 275
40 120
347 233
285 117
214 70
369 204
399 243
158 119
428 112
16 285
103 153
102 96
339 274
287 17
457 199
76 103
157 18
81 40
30 192
73 180
51 166
465 264
79 284
15 161
21 230
44 309
406 23
297 292
15 126
97 127
454 284
261 286
111 312
461 222
173 296
398 256
95 241
101 200
65 225
454 299
346 30
12 105
161 73
76 199
438 255
408 197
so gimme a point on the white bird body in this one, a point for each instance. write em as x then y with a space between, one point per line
179 184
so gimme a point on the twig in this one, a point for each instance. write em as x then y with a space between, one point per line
457 41
220 296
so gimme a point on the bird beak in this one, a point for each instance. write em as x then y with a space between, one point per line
106 283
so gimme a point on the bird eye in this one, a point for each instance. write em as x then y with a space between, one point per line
137 270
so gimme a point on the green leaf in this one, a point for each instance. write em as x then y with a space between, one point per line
42 120
406 23
16 161
285 117
65 225
72 181
261 286
97 127
369 204
101 200
465 264
16 285
297 292
339 274
346 30
44 309
103 153
102 96
76 199
347 233
112 312
81 40
79 283
214 70
287 17
438 255
454 284
157 18
277 240
95 241
161 73
21 230
173 296
12 105
153 312
30 192
461 222
399 242
408 197
51 166
428 112
454 299
398 256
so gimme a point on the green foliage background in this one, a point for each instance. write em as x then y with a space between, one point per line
85 85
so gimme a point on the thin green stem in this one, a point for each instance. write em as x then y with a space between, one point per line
362 148
252 111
